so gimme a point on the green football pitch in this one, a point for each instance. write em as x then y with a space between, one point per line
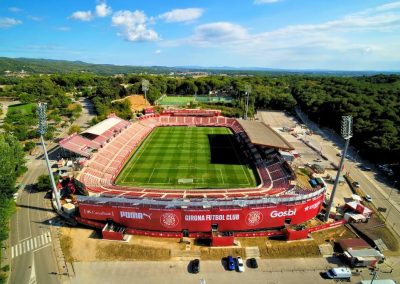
188 157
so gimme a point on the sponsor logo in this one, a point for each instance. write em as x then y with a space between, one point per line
208 217
169 220
97 213
254 218
287 213
313 206
134 215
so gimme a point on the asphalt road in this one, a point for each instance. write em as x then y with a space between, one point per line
382 191
31 250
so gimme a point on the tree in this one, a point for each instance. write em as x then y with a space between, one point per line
74 129
43 183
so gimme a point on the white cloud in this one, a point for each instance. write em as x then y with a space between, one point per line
182 15
15 9
366 37
158 51
133 26
82 16
64 29
102 10
219 32
35 18
260 2
6 23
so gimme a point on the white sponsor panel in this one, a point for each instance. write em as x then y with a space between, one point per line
212 217
134 215
313 206
287 213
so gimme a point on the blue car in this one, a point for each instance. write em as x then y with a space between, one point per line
231 263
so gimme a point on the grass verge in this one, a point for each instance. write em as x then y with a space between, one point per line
130 252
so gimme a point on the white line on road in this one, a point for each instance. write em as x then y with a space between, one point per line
23 248
12 252
31 242
35 244
20 248
28 247
41 248
42 238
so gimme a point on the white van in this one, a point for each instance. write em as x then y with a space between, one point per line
339 273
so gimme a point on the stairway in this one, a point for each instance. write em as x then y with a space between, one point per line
252 252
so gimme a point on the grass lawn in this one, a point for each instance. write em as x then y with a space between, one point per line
188 157
22 108
185 100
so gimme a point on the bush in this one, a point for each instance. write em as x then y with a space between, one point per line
74 129
43 183
29 146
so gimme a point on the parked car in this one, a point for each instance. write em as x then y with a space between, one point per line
365 168
368 198
196 266
240 264
231 263
343 273
253 263
317 160
356 184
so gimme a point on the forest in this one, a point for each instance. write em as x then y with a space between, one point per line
373 101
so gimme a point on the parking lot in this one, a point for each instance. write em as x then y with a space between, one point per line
299 270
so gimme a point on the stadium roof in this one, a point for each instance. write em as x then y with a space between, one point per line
103 126
262 134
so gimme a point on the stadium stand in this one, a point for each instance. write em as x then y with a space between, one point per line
118 138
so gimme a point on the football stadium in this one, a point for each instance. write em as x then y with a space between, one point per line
191 173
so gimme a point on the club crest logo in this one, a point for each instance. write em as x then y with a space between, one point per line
254 218
169 220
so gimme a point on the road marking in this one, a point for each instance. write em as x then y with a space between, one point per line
33 244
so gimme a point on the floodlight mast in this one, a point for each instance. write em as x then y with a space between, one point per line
347 133
42 130
247 92
145 88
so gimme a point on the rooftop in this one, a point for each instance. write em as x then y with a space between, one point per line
262 134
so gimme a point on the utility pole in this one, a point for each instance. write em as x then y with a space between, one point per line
347 133
247 88
145 88
42 130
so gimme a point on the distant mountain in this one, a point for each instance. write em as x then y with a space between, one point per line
50 66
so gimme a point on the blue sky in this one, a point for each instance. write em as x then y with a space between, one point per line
298 34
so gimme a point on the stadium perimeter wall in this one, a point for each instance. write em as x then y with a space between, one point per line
202 220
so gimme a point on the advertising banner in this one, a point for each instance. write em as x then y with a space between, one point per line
202 220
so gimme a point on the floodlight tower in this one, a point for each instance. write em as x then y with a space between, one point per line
42 130
347 133
145 88
247 89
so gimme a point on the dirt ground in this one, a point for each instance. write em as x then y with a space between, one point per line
86 245
138 103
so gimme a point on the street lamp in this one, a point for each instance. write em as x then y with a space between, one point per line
388 199
145 88
42 130
347 133
247 88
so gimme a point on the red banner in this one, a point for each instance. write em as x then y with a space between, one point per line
201 220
